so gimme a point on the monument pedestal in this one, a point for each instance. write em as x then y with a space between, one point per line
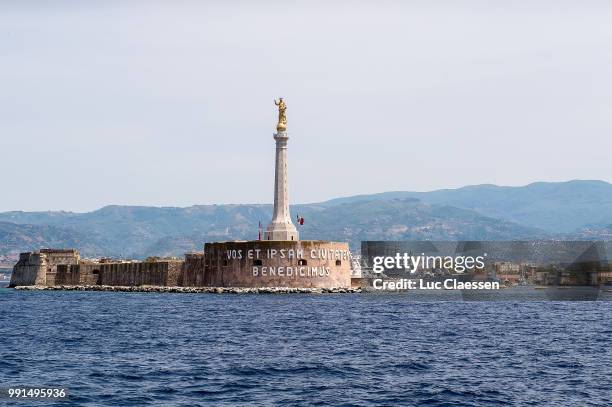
281 231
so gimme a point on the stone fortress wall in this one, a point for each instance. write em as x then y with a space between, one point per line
29 270
53 267
192 274
300 264
261 263
157 273
41 268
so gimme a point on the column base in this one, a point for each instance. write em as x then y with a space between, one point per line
282 231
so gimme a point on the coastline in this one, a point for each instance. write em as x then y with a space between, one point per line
193 290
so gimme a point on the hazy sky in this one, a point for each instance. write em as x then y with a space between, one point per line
171 103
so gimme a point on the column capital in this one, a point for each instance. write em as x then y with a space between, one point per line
281 135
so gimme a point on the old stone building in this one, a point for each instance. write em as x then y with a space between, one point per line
41 267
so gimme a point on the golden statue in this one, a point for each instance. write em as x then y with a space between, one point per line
282 119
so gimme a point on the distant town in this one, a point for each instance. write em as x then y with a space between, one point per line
6 266
510 274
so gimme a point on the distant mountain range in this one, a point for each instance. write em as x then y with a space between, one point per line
563 210
552 206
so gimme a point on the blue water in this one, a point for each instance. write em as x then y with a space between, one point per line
128 349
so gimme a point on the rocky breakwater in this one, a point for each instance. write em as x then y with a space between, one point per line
210 290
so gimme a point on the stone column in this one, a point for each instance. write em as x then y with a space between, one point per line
281 227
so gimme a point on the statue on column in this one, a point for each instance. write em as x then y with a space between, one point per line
282 119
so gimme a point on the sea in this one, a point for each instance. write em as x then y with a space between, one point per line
387 349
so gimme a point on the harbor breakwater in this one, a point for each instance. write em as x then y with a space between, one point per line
191 290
